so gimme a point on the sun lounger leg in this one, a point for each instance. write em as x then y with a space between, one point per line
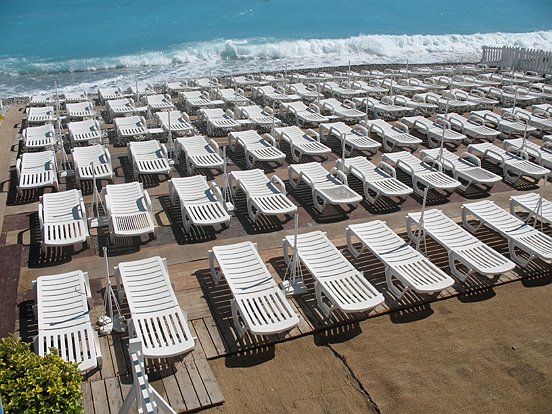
512 245
352 249
391 286
454 268
326 310
316 203
216 275
235 316
470 227
508 176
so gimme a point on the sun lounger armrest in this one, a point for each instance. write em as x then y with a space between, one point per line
147 201
421 126
347 103
433 163
377 129
230 114
361 130
314 107
400 100
404 165
313 134
340 175
443 123
489 116
474 119
388 169
18 166
496 91
164 150
457 122
490 151
41 213
519 152
432 99
541 113
278 183
268 110
269 138
547 142
471 158
214 274
216 192
281 89
213 144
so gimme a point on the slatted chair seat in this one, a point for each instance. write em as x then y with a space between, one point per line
356 137
393 136
541 155
75 96
258 305
110 93
179 122
80 110
131 127
402 262
434 131
84 131
121 107
345 111
92 161
256 148
336 279
159 102
156 317
218 121
532 203
302 143
199 153
39 137
149 157
36 170
473 127
42 100
304 114
461 246
41 115
520 235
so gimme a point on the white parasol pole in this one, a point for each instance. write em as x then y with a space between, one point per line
109 322
272 131
174 158
227 193
293 283
443 125
421 231
515 97
343 138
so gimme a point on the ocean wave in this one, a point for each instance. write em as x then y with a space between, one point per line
416 49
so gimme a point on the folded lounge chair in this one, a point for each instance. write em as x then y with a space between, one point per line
520 235
263 195
356 137
36 170
149 157
218 121
179 122
84 131
327 187
302 143
64 319
62 218
542 155
533 204
256 148
426 173
433 130
199 153
461 246
514 162
258 305
156 317
129 210
393 136
201 204
303 114
465 168
90 162
338 284
377 181
42 136
402 262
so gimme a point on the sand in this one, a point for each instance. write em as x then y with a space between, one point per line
487 354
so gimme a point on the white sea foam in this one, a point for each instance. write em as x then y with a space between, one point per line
231 56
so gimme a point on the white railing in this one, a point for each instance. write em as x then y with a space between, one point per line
518 59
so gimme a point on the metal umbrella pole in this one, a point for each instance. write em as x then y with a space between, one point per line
110 322
421 231
174 157
293 283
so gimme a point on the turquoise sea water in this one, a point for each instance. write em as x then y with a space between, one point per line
85 44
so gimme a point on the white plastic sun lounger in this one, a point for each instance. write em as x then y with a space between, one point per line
131 127
433 130
514 162
40 115
129 210
256 148
505 123
338 284
303 114
302 143
194 100
334 89
385 108
262 118
246 81
507 95
141 89
402 87
84 131
465 168
542 155
326 187
258 305
206 83
356 137
42 100
106 94
423 173
520 235
149 157
159 102
36 170
77 96
120 107
199 153
232 97
542 121
442 102
369 88
42 136
534 205
80 110
173 88
461 246
345 111
307 92
546 107
156 317
83 157
473 127
218 121
266 196
481 101
62 218
419 106
201 204
393 136
269 94
402 262
64 319
381 180
179 122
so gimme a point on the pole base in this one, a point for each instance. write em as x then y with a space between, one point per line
119 323
292 288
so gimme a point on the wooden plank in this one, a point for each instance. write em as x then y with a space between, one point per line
210 382
160 388
220 344
114 396
174 396
198 350
125 383
99 396
107 363
197 382
119 355
186 387
87 402
205 338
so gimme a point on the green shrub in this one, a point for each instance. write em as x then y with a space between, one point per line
33 384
